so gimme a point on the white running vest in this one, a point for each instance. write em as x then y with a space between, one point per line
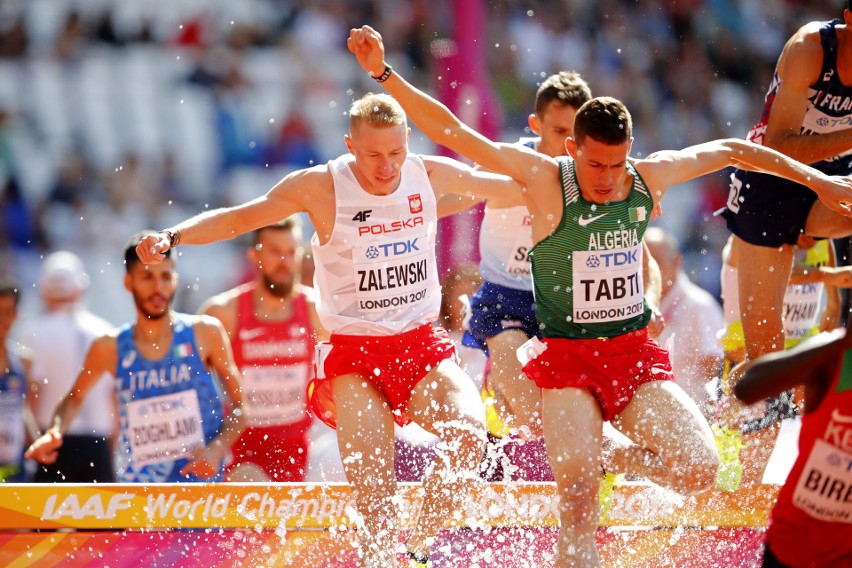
505 240
377 274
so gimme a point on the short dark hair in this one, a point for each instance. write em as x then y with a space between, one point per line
9 287
130 256
292 224
604 119
567 87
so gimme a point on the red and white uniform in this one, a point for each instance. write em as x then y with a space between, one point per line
811 524
377 274
275 360
378 287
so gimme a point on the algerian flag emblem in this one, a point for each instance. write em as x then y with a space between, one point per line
637 214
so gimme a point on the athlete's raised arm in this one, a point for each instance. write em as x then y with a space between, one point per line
436 120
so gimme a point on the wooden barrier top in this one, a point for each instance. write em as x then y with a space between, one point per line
326 505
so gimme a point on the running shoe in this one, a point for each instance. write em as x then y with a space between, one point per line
416 560
729 444
493 421
608 484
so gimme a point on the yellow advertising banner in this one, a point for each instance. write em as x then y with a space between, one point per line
322 506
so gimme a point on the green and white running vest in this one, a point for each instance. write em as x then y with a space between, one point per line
587 274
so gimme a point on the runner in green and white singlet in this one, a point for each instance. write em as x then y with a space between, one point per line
599 292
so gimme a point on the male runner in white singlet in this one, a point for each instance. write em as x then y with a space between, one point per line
375 216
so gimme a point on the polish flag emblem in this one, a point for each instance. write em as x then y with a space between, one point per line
415 204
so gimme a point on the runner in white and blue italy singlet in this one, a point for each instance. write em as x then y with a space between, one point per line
167 408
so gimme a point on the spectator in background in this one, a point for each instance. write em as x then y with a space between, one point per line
17 225
294 145
14 415
172 416
57 342
273 327
693 320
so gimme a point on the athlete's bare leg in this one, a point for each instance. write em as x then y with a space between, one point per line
447 404
757 449
365 435
675 447
518 399
573 429
762 276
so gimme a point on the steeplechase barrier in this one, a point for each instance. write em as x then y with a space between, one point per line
311 525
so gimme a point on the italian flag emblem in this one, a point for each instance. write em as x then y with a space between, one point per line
637 214
182 350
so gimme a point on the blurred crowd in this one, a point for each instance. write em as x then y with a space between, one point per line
117 116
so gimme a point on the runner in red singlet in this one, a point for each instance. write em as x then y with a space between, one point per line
273 326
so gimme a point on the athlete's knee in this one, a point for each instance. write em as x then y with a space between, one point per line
696 468
463 436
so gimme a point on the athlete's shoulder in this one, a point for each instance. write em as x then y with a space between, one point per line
310 294
313 179
201 321
228 298
431 161
106 345
803 47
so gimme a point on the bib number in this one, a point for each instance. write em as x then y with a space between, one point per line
164 428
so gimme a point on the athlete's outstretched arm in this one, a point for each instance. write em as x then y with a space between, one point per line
101 358
290 195
436 120
452 204
663 169
808 362
451 177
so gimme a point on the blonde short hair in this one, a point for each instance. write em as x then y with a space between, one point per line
377 110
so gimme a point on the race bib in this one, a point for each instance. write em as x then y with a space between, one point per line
607 285
801 309
275 396
164 428
391 275
519 263
824 489
11 427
